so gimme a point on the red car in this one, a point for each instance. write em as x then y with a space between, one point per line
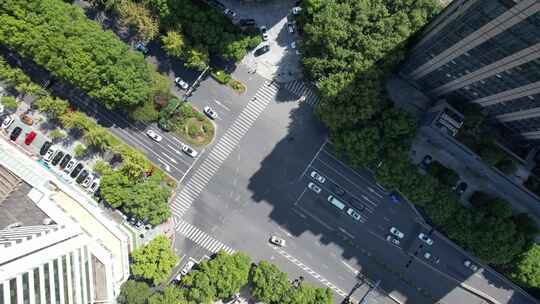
30 137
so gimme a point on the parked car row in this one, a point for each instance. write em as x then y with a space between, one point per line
16 132
70 166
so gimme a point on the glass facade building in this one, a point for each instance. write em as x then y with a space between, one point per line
485 52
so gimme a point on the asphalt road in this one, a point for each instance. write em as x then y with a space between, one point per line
260 190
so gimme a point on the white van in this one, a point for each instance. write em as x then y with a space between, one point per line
334 201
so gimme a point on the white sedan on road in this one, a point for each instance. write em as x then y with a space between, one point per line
210 112
181 83
425 239
153 135
189 151
321 179
396 232
277 241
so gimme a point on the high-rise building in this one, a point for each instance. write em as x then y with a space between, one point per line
56 245
485 52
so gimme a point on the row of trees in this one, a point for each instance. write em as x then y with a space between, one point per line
191 29
219 278
136 187
59 37
350 47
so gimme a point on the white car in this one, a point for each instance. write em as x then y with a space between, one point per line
229 12
210 112
277 241
396 232
181 83
153 135
7 122
296 10
264 32
424 238
392 240
88 181
70 166
293 44
187 268
314 187
321 179
470 265
189 151
354 214
49 154
94 186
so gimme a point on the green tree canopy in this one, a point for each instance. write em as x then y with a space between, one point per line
527 268
174 43
154 261
170 295
76 49
219 278
53 106
9 102
133 292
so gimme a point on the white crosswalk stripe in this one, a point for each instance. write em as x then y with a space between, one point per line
201 238
300 88
223 148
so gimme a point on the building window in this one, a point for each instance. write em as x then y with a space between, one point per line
37 293
47 283
65 278
56 277
26 289
13 290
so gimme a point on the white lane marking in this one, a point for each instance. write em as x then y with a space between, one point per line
356 272
222 105
170 158
313 159
310 271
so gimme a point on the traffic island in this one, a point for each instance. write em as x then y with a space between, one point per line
226 79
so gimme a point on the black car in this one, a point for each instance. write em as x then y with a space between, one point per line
45 147
262 50
461 187
339 191
56 159
65 161
247 22
15 133
82 176
76 170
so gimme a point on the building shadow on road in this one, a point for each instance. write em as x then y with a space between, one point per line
278 184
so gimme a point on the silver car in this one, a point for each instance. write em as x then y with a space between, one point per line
314 188
189 151
321 179
210 112
424 238
181 83
354 214
392 240
396 232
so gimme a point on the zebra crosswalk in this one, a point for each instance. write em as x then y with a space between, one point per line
201 238
300 88
223 148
